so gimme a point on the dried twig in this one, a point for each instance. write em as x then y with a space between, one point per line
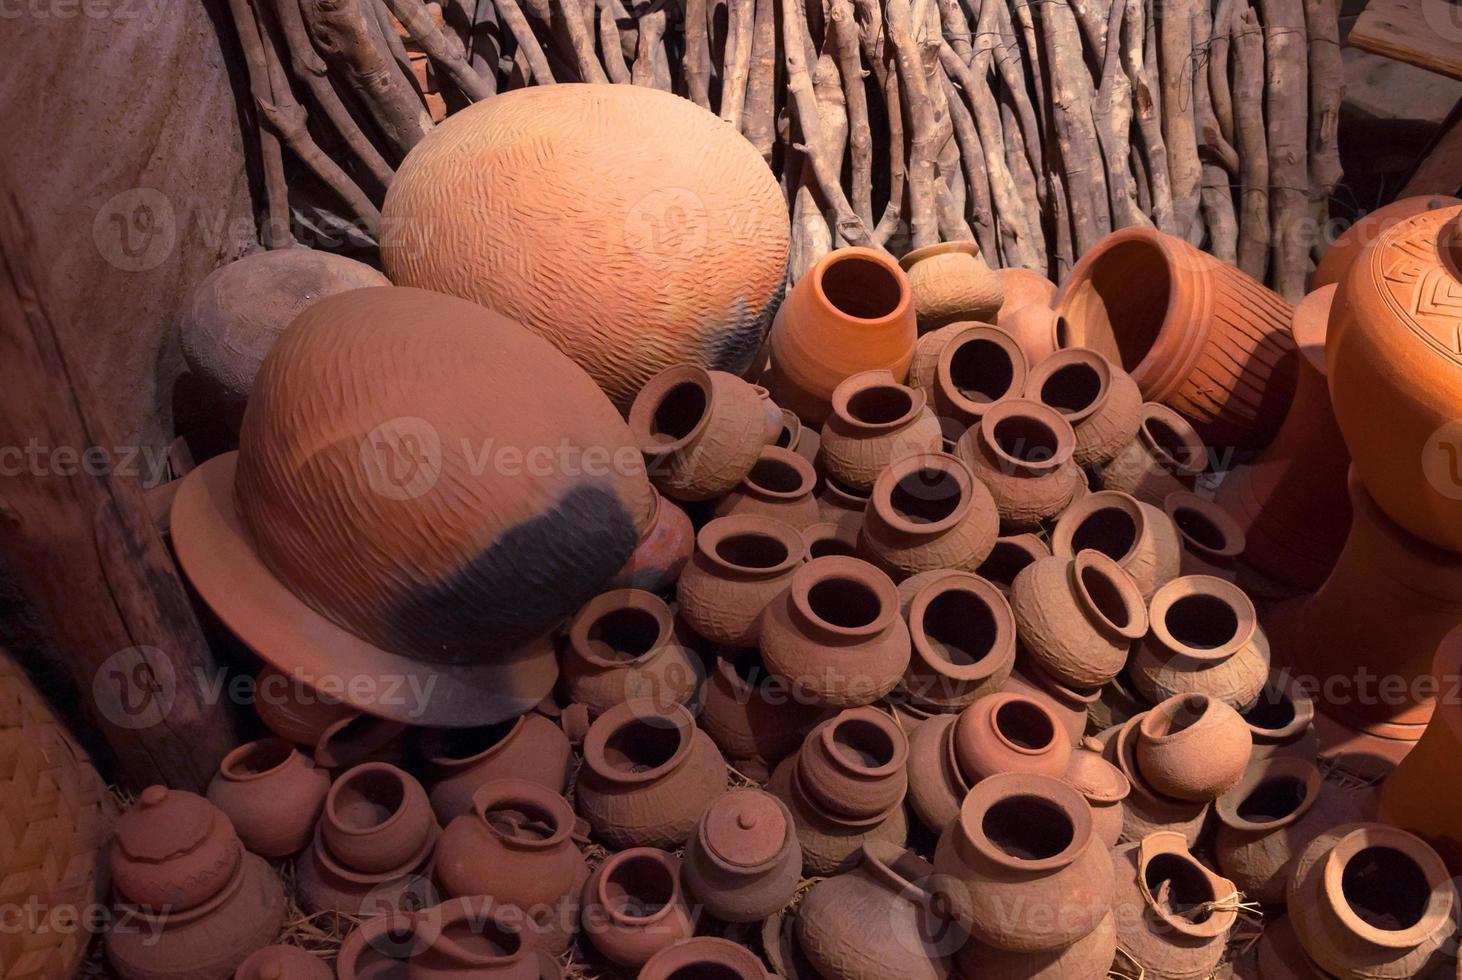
1248 48
1285 76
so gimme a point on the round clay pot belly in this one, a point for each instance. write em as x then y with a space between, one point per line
1343 252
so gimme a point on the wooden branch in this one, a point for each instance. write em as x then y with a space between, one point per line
996 41
651 68
1327 91
1180 132
615 65
1112 114
739 42
972 155
528 47
1214 196
1071 111
923 141
571 15
893 221
1220 93
696 58
843 30
444 48
1248 48
1285 51
758 122
275 232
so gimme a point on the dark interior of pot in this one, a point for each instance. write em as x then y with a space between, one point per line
1072 388
1449 242
1110 530
1179 887
1385 888
1272 711
752 551
981 370
522 820
639 886
1273 799
747 663
861 287
784 437
1120 306
1026 439
880 404
368 799
1025 725
482 938
1029 828
624 635
706 970
678 413
832 546
1004 562
926 496
777 476
844 602
258 758
464 743
960 627
863 744
1180 717
1202 622
640 745
1199 528
1106 596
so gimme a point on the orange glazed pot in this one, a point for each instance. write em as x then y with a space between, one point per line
853 311
1342 253
1194 333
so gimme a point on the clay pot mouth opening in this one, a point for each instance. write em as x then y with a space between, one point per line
866 745
754 546
1276 715
521 817
633 743
915 256
1073 382
748 669
827 541
1124 300
844 597
367 799
1449 246
1028 829
1006 560
454 746
1271 801
1110 593
1174 716
256 759
880 406
380 947
1202 618
1385 889
1106 521
622 634
639 886
959 630
1180 891
673 410
1061 328
850 497
862 287
1387 886
1027 436
780 474
1025 726
791 431
1206 529
465 933
979 367
924 494
1172 441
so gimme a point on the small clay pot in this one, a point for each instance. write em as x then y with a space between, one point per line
1162 889
622 647
874 421
963 640
1039 331
1212 540
1191 747
936 784
324 884
272 795
951 281
1137 536
751 715
293 710
743 862
841 505
357 739
835 635
1146 811
1204 639
830 842
663 551
173 851
1078 617
461 760
1166 456
1104 787
704 956
647 776
741 564
929 512
633 906
828 539
283 963
1281 720
1011 554
856 764
376 818
1072 705
1022 451
965 368
1022 287
1009 733
1088 958
1100 401
779 485
469 938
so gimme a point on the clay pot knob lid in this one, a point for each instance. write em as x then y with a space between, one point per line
1094 777
746 828
165 823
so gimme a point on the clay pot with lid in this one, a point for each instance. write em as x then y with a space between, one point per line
173 851
1204 638
1104 787
965 368
1281 720
1137 536
704 956
1166 456
1022 451
1212 540
271 794
1022 288
830 840
962 634
701 431
741 564
633 906
360 738
1088 958
1078 617
1169 928
662 553
1192 747
283 963
852 311
779 485
1146 811
1038 330
743 862
856 763
751 715
622 647
1372 901
1071 705
1351 242
460 760
293 710
836 635
471 938
874 421
376 817
648 775
929 512
951 281
1011 554
881 919
1100 401
1025 869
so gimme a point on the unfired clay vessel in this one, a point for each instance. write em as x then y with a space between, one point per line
1351 242
1100 401
1204 639
633 905
741 564
1022 452
962 636
779 485
830 842
855 764
1137 536
459 761
622 647
1166 456
376 818
1078 617
1038 330
965 368
1212 540
1192 747
743 862
1011 554
1162 890
874 421
929 512
752 716
951 281
272 795
1146 811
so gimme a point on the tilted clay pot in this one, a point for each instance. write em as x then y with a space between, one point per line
647 776
1167 925
1194 333
1022 452
1273 813
1166 456
1291 500
622 647
740 565
1071 705
358 739
804 440
1009 733
633 906
704 956
1146 811
1100 401
936 785
879 920
1025 871
272 795
283 963
965 368
840 505
662 554
1038 330
1137 536
835 635
1351 242
1023 287
1204 638
752 716
460 760
951 281
929 512
743 862
1282 720
1009 557
173 851
1089 958
963 640
1078 617
293 710
1371 901
856 764
874 421
1192 747
1104 787
376 817
830 842
779 485
1212 540
828 539
471 938
852 311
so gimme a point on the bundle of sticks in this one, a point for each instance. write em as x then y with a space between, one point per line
1033 127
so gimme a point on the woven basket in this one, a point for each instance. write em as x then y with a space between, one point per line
55 818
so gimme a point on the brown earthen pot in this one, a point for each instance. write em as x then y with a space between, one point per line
1282 720
460 760
376 817
1146 811
664 550
1071 705
324 884
1204 638
1351 242
1038 330
1088 958
294 711
704 956
1022 452
173 851
272 795
633 906
830 842
357 739
856 763
1104 787
1078 617
1100 401
751 715
380 948
1023 287
951 281
963 640
471 938
1166 927
1011 554
1212 540
283 963
743 862
1009 733
828 539
741 564
1137 536
779 485
840 505
1193 747
929 512
965 368
622 647
874 421
936 784
1166 456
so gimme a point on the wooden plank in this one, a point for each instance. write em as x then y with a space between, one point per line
1425 33
1440 169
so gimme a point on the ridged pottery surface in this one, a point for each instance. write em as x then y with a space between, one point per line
1010 556
1008 733
831 843
1146 811
965 368
853 311
856 764
622 647
875 421
1291 500
376 818
1159 884
460 760
1037 329
679 259
704 956
1089 958
1351 242
1196 334
1192 747
1392 341
779 486
1100 401
743 863
1213 541
1078 617
740 565
1104 787
272 795
663 551
173 851
751 716
283 963
1139 537
929 512
1204 639
951 281
1023 287
1022 452
962 634
1167 456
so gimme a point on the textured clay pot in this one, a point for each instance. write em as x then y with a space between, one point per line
875 421
779 486
1038 330
1088 958
743 862
1192 747
460 760
1008 733
1204 638
664 550
1009 557
704 956
1194 333
929 512
1104 787
294 711
1147 811
1282 720
826 540
633 905
173 851
856 764
751 715
471 938
1291 500
1212 540
963 640
1137 536
1025 870
376 818
622 647
695 220
1022 287
950 282
835 635
647 776
965 368
358 739
1273 813
1100 401
879 920
1078 617
853 311
283 963
830 841
1166 456
272 795
740 565
1351 242
1371 901
936 784
1071 705
1165 928
1022 452
380 948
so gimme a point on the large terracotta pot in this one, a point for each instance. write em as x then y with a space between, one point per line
1161 888
929 512
1351 242
874 421
1193 332
1139 537
1008 733
950 282
376 818
853 311
678 259
1393 341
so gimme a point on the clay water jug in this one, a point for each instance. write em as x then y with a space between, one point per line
1192 747
272 794
743 863
460 760
751 715
965 368
1011 554
1078 617
1204 638
951 281
622 646
1022 451
1212 540
962 635
633 905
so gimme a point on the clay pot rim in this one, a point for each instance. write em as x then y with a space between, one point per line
802 797
1059 328
506 791
792 425
1170 843
1303 709
805 473
789 837
1185 586
1010 785
1233 535
917 255
1123 747
1440 901
436 739
1022 407
843 568
168 917
663 858
363 937
718 530
332 867
647 402
1164 711
828 531
1064 531
616 600
881 499
1002 650
878 257
944 367
675 716
402 777
1065 357
880 860
990 706
1197 460
227 768
856 384
703 949
1310 324
1035 675
384 729
1117 787
1127 590
831 487
429 927
1226 807
885 723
